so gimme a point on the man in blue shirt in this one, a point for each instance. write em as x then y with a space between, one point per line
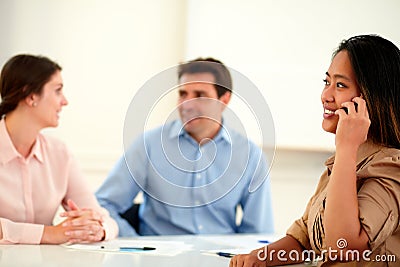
193 172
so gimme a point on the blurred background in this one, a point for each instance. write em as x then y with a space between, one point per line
109 49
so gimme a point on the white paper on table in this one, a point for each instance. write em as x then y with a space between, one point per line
163 248
234 251
242 242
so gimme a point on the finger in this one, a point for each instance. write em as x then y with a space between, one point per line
90 214
72 205
93 229
73 213
72 222
80 241
99 236
83 222
75 234
232 263
74 241
340 112
351 108
84 236
362 105
240 261
94 215
79 234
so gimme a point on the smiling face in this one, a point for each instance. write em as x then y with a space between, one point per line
199 107
340 86
50 102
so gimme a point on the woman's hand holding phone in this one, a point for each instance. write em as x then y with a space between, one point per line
353 124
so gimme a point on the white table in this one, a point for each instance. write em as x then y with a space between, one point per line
53 255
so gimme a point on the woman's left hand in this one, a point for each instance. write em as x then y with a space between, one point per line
255 258
87 222
352 128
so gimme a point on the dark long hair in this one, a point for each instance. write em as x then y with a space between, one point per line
22 76
376 64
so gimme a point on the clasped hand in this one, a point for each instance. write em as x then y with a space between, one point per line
80 226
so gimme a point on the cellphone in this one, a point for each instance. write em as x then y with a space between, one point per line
347 111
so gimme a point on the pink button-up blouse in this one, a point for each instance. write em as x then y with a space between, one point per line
32 189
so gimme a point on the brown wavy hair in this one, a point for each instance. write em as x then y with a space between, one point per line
21 76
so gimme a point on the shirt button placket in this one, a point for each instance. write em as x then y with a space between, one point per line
196 183
27 189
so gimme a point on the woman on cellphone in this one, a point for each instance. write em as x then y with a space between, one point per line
38 173
353 217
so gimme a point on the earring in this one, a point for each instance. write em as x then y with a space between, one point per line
34 104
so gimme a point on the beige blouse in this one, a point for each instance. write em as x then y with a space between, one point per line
378 185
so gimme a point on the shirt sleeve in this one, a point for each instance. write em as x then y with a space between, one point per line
257 204
299 229
78 190
379 198
119 189
15 233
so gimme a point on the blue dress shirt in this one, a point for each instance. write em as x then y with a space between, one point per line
188 188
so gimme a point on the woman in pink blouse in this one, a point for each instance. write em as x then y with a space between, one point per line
38 173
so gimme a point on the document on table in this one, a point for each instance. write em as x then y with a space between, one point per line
144 247
226 252
240 241
237 244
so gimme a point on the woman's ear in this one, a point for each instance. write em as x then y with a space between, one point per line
31 100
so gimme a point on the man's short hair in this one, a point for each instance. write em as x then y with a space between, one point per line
223 80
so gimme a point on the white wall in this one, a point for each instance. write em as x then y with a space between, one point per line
107 49
285 47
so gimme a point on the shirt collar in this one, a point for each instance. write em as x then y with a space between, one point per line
9 152
37 150
177 130
364 151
